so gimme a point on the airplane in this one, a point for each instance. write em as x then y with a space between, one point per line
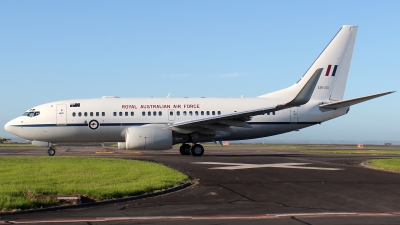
159 123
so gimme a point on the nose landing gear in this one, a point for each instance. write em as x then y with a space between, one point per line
51 151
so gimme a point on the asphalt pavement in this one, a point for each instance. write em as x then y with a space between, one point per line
243 184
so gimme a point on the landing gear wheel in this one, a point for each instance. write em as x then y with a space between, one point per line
197 150
51 151
185 149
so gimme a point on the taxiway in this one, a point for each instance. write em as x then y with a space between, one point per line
233 185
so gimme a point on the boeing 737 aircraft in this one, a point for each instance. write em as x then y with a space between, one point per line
159 123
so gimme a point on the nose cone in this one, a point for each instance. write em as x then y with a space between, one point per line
9 127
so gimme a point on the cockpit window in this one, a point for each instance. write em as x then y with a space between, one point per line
31 114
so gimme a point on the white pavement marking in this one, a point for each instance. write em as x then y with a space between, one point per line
217 217
240 166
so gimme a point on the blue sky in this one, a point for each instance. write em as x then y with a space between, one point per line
57 50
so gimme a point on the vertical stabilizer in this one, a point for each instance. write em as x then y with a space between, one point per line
335 62
343 63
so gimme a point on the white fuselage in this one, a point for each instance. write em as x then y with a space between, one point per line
158 123
106 119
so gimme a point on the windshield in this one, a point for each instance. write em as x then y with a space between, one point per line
31 113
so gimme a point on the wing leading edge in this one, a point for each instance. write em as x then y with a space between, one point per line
238 119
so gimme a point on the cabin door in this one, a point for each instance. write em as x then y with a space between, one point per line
294 115
61 114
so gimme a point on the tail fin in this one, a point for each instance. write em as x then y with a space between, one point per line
335 61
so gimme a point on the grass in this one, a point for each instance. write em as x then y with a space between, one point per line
389 164
254 145
24 178
15 145
374 152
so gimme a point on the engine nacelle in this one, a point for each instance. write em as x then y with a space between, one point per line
121 145
148 138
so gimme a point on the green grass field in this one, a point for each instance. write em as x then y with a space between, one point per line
24 178
374 152
389 164
256 145
15 145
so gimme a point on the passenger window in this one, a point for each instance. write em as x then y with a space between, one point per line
159 113
202 113
178 113
97 113
115 113
184 113
171 113
149 113
85 114
213 112
208 113
132 113
196 113
190 113
126 114
154 113
143 113
73 114
91 113
219 112
120 113
103 113
79 114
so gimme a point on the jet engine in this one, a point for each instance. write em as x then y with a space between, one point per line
147 138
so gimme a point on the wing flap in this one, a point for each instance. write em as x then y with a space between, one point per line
350 102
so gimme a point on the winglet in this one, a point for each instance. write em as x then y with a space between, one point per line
306 92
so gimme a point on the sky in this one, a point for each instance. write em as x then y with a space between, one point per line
58 50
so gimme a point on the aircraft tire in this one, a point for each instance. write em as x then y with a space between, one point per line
197 150
185 149
51 151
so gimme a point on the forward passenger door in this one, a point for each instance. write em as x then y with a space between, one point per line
61 114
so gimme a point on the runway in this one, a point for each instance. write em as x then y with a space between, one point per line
238 184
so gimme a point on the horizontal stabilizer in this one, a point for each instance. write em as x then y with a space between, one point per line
350 102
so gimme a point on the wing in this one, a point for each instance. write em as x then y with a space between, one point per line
353 101
238 119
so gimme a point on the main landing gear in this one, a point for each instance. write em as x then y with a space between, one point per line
195 150
51 151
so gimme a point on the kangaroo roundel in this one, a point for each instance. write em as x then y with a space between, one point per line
94 124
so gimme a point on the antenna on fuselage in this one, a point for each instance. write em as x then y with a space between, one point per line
169 94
